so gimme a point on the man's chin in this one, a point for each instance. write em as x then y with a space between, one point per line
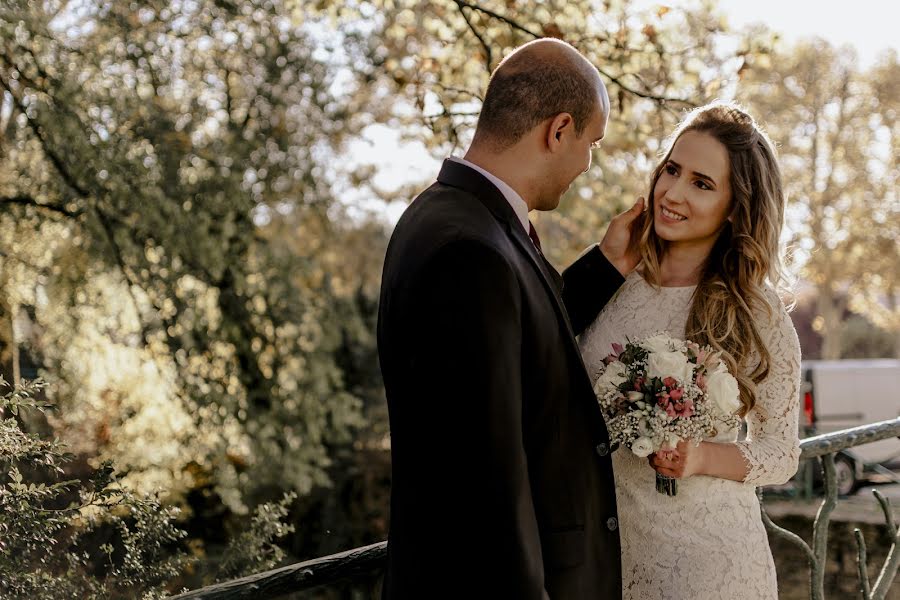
548 203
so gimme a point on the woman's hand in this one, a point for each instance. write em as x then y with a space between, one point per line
685 460
620 244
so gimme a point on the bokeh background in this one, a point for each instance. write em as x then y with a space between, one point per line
196 196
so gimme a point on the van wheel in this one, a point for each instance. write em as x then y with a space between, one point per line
845 474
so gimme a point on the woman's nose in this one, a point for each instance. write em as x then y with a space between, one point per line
676 191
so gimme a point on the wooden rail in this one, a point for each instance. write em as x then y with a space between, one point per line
294 578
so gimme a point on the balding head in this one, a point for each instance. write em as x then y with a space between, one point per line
538 81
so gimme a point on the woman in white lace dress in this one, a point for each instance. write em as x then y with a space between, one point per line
710 259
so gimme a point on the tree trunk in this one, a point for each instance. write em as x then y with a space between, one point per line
829 310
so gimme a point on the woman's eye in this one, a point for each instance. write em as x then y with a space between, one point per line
703 185
671 170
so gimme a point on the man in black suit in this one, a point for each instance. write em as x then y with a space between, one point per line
502 479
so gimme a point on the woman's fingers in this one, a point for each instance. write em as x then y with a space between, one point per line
667 467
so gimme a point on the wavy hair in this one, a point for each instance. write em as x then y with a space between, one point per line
745 256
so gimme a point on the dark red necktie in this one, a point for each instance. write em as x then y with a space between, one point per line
534 236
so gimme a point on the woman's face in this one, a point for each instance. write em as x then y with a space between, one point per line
692 198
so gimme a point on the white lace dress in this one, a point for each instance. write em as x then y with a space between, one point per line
708 541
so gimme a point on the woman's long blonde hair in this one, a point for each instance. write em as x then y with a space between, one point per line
746 253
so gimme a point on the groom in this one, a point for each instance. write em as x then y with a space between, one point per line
502 479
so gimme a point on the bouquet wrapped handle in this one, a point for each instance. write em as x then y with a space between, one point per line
666 485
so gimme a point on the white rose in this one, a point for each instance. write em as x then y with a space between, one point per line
658 343
643 427
672 439
723 390
612 377
670 364
642 447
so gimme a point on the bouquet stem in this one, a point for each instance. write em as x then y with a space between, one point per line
666 485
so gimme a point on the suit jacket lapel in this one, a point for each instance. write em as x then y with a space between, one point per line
460 176
553 274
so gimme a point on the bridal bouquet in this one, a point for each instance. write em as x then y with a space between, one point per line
660 390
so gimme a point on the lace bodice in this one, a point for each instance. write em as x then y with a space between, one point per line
717 546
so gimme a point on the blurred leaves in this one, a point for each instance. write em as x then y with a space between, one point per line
836 125
171 238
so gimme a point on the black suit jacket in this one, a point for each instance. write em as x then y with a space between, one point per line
502 480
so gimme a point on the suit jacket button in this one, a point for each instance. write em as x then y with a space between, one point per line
602 449
612 523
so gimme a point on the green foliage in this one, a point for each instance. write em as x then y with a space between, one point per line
254 550
74 539
166 209
93 538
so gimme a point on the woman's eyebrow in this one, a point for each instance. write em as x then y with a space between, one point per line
697 173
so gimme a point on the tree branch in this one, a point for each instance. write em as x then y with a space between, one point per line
498 16
639 94
461 4
23 200
54 158
488 55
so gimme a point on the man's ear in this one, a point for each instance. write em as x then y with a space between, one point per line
561 125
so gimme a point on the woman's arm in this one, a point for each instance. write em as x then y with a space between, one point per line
594 277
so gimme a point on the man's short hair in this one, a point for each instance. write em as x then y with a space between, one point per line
518 98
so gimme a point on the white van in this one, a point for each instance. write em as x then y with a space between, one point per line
839 394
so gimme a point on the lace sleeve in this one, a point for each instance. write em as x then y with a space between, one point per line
772 447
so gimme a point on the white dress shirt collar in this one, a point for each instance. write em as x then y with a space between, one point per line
515 200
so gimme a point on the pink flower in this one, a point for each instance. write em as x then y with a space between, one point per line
617 349
694 348
638 384
676 394
670 382
701 381
701 356
680 409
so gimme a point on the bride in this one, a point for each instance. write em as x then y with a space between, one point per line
710 267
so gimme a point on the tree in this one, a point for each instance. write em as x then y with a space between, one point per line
823 112
876 288
167 218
